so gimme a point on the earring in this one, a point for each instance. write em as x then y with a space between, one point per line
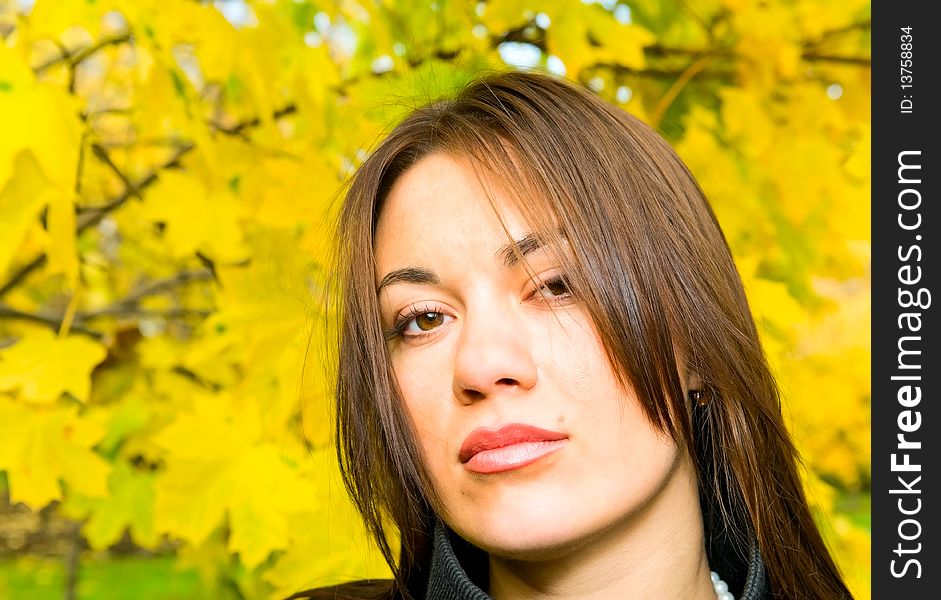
698 398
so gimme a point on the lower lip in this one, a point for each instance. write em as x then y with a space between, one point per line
514 456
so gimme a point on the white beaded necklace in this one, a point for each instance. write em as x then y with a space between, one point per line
721 588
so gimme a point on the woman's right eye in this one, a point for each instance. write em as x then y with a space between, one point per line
554 290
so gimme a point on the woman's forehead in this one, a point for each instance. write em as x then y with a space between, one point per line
441 205
505 183
441 190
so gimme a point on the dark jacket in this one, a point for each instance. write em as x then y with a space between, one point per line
449 581
458 571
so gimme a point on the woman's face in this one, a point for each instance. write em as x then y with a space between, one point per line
531 443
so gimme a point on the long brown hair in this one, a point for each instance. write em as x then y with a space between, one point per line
654 270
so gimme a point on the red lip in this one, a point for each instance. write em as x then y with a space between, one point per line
483 439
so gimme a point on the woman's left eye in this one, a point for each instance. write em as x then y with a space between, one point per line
554 289
425 321
417 322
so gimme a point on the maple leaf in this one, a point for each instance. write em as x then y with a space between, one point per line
41 367
128 506
221 468
195 218
43 447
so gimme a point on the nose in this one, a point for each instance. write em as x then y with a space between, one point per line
493 356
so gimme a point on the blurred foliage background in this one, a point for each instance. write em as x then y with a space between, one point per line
168 170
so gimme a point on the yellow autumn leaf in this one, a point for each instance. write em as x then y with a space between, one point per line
567 37
771 301
228 472
587 34
330 529
213 38
159 352
317 75
747 121
854 542
195 218
38 163
43 446
807 175
16 78
62 251
21 200
860 159
501 15
41 367
620 43
200 446
261 521
819 16
160 91
128 506
52 18
290 192
191 498
211 431
41 118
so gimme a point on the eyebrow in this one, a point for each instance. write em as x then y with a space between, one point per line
527 244
408 275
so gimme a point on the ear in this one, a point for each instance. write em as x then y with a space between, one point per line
689 378
694 392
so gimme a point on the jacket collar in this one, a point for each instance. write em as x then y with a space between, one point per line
448 579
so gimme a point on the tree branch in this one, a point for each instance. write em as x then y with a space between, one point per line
8 312
808 46
694 53
828 35
620 69
93 217
664 51
126 307
76 57
860 61
129 305
667 99
167 283
102 155
137 312
21 274
240 127
89 217
196 378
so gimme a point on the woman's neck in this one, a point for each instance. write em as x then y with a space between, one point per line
656 553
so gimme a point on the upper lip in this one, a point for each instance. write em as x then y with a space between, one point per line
483 438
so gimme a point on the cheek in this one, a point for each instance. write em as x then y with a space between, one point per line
577 363
603 406
425 388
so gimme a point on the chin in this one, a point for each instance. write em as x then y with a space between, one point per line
530 536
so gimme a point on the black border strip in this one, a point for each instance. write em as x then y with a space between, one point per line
905 365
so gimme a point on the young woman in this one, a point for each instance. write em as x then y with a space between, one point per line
550 383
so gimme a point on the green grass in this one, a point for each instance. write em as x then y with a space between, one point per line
858 507
137 578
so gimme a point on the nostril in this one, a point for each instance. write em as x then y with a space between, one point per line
473 395
508 381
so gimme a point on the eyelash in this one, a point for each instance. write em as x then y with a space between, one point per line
403 320
554 280
397 331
